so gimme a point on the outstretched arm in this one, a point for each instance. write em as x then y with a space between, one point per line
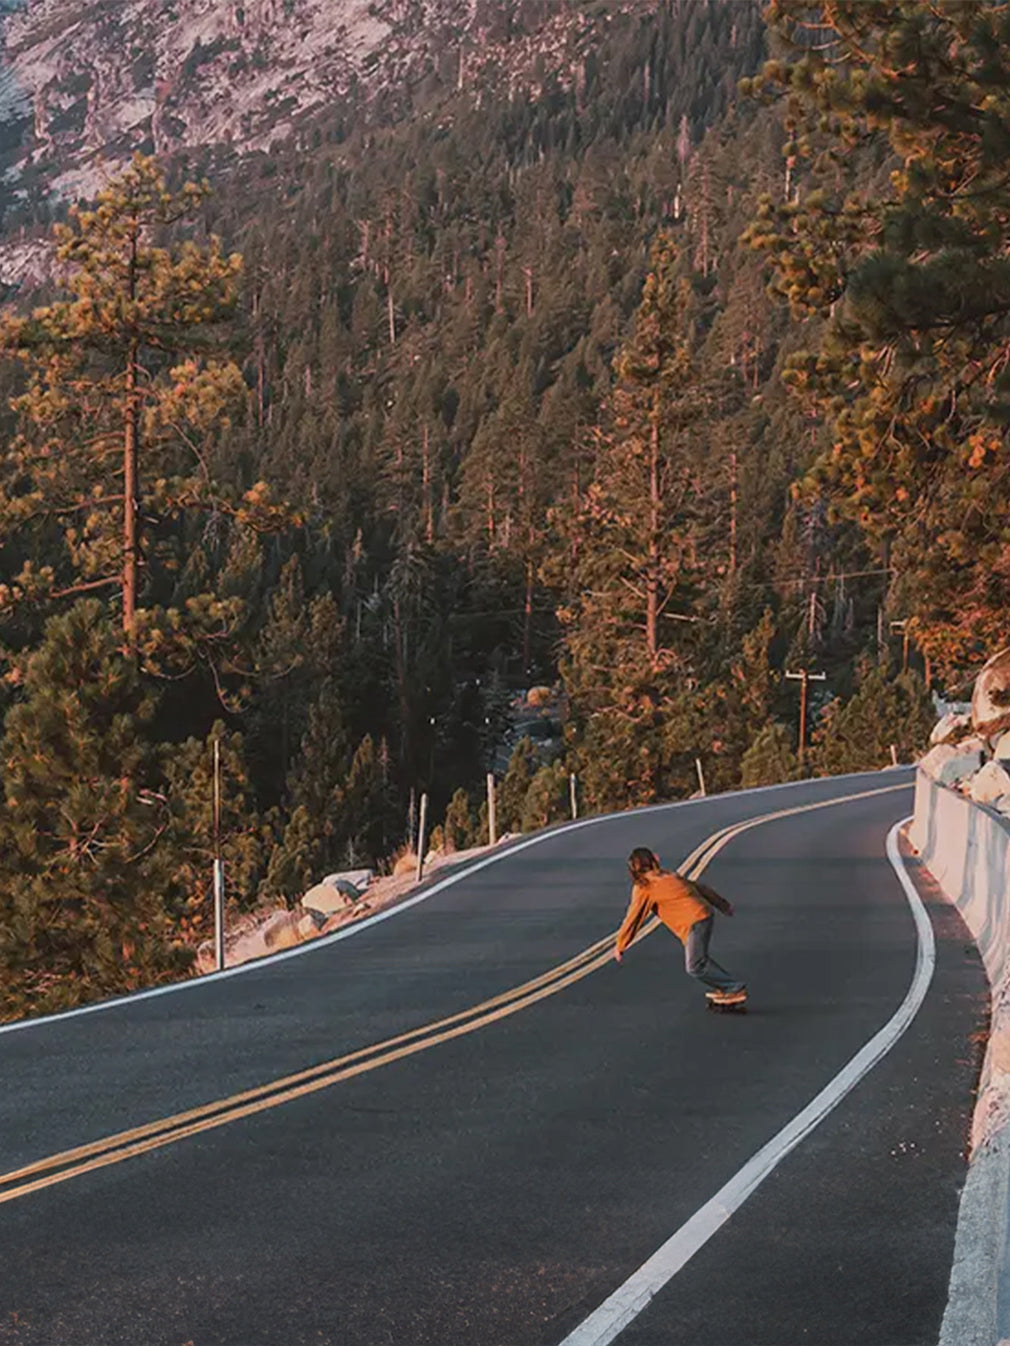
715 900
630 925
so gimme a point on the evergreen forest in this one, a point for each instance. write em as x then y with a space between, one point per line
614 399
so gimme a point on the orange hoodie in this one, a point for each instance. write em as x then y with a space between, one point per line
677 902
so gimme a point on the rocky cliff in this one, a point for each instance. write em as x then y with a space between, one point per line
83 85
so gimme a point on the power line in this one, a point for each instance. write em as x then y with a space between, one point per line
821 579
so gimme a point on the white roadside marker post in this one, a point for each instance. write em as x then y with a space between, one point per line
492 821
218 864
421 836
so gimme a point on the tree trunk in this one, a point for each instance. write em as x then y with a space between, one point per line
528 618
260 352
732 511
429 517
130 451
499 250
399 645
652 575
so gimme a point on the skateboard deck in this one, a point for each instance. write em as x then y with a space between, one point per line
735 1005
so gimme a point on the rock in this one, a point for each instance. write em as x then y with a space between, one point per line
206 957
405 864
950 728
280 931
347 879
991 783
326 898
948 764
950 707
245 948
990 700
307 926
337 891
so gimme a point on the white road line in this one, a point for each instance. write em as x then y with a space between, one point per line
312 946
629 1299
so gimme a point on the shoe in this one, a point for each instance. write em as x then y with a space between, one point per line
727 997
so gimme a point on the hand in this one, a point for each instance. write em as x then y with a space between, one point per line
728 909
618 955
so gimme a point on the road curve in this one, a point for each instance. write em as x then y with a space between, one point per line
296 1155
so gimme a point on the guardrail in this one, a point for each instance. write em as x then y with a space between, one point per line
966 847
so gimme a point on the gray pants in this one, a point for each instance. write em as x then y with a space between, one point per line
700 965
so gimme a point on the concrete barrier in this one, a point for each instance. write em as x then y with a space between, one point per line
966 847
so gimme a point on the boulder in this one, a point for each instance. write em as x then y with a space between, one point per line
990 700
307 926
206 957
991 783
326 898
280 931
245 947
351 879
337 891
948 764
405 864
951 728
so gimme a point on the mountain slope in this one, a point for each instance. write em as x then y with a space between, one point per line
83 87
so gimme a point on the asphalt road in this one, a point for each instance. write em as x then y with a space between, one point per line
493 1188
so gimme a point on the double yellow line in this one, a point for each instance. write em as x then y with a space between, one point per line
142 1139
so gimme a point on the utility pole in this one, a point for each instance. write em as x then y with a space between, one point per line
902 626
804 676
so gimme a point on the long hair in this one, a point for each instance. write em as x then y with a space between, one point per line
642 862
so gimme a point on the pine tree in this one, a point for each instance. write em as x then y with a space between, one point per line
88 882
190 842
858 734
546 798
299 860
633 564
362 807
459 828
101 368
770 759
522 768
633 536
899 121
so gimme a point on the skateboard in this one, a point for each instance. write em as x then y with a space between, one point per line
727 1004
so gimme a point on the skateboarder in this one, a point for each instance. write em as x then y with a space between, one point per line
686 908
